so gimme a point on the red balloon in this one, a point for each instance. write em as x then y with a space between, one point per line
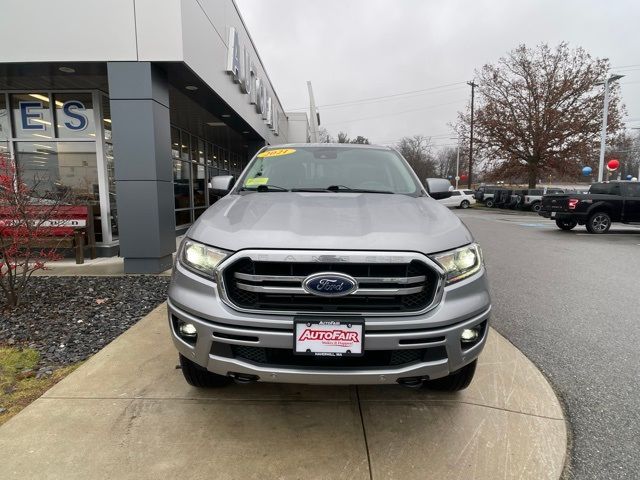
613 164
464 177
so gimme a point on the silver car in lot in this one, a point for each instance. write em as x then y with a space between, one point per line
329 264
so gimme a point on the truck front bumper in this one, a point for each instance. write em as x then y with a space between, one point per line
225 335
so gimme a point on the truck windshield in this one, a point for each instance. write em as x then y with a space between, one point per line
330 169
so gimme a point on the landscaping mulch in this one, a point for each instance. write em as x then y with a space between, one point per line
67 319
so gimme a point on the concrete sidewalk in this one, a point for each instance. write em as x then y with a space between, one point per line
128 414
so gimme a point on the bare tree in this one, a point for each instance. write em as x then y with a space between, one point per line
361 140
324 136
626 149
539 111
417 150
25 218
446 162
343 138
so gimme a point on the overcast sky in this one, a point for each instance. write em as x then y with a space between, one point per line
358 49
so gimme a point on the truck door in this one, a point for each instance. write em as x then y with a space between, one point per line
631 206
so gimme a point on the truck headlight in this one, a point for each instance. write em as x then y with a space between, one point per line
199 258
460 263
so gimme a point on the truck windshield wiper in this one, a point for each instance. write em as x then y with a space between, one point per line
344 188
265 188
310 189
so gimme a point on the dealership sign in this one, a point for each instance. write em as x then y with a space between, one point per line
243 71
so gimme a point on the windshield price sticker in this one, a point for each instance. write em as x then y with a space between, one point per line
276 153
329 338
254 182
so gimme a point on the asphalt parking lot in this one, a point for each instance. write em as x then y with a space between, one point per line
571 301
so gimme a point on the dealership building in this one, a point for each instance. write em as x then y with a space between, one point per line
132 106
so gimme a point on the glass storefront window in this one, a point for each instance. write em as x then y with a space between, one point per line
74 115
193 148
195 161
58 169
199 185
111 175
184 146
5 134
31 116
175 142
4 125
212 160
201 156
183 217
197 212
181 189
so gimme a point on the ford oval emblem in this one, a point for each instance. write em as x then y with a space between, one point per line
330 284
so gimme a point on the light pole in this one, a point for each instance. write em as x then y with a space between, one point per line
603 133
457 139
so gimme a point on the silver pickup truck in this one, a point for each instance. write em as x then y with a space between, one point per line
329 264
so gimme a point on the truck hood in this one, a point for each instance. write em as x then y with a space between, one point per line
330 221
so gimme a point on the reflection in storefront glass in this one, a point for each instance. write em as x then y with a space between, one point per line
4 124
57 169
111 175
199 184
195 161
175 142
181 189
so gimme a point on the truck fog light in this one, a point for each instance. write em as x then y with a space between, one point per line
470 335
187 330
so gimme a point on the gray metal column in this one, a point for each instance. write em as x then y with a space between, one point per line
139 95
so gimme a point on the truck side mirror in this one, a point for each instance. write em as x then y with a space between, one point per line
439 188
220 185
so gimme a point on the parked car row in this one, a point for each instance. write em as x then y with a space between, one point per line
519 198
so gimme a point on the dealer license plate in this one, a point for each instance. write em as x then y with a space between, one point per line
553 214
329 338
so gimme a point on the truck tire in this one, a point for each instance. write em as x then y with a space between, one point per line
464 204
489 203
536 206
599 222
455 381
566 223
200 377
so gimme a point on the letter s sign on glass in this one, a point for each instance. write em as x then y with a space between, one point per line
71 109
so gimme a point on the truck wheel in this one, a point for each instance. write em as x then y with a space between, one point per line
566 223
536 206
599 222
464 204
200 377
489 203
455 381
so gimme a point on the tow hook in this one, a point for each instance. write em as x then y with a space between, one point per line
411 382
243 378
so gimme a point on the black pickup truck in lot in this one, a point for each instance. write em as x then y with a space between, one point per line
605 203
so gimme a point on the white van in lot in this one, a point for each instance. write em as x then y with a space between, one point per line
329 264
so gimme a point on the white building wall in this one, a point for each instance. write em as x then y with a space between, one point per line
195 32
298 127
67 30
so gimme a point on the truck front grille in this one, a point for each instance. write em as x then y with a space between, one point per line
382 287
